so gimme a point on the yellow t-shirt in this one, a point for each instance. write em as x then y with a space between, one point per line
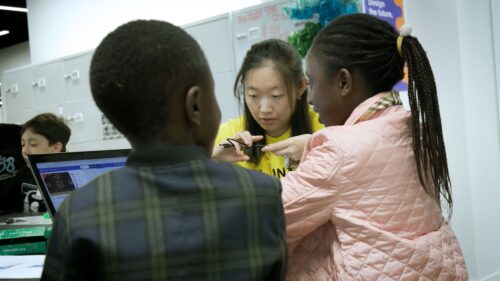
270 163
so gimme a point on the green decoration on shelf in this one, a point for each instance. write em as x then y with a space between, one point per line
302 39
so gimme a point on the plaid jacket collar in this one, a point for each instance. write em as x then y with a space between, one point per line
165 156
371 107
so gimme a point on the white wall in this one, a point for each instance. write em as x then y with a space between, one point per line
435 22
58 28
482 125
12 57
495 22
457 37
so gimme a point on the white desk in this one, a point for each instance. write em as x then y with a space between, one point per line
27 267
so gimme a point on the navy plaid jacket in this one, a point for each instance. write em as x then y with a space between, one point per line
171 214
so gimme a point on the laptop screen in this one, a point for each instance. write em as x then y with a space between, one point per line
58 175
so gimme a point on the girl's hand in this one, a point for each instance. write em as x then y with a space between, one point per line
291 147
231 151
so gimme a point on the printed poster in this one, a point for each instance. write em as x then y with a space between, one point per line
392 12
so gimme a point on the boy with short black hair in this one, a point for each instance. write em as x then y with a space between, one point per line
171 213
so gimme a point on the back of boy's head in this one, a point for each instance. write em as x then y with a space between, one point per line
49 125
139 70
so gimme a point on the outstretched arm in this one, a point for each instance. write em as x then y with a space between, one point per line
309 192
292 147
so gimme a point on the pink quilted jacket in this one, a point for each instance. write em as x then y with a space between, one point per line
355 209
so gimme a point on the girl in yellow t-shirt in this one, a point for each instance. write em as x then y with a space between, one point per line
277 120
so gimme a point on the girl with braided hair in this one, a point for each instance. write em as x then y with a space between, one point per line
366 202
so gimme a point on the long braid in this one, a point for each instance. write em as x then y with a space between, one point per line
428 143
367 45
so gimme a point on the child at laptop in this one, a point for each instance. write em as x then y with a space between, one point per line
44 133
171 213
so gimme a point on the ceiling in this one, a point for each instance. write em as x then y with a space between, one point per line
15 22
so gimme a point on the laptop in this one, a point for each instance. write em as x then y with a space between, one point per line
59 174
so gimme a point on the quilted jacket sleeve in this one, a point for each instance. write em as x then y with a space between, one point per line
309 192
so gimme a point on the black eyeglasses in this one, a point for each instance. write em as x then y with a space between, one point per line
244 146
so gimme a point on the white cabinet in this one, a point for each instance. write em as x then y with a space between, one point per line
228 104
214 37
61 87
20 116
84 119
17 91
47 84
76 77
32 86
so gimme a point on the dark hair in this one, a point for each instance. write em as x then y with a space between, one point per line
49 125
367 45
286 60
138 69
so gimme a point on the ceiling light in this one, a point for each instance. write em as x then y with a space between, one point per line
14 9
4 32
